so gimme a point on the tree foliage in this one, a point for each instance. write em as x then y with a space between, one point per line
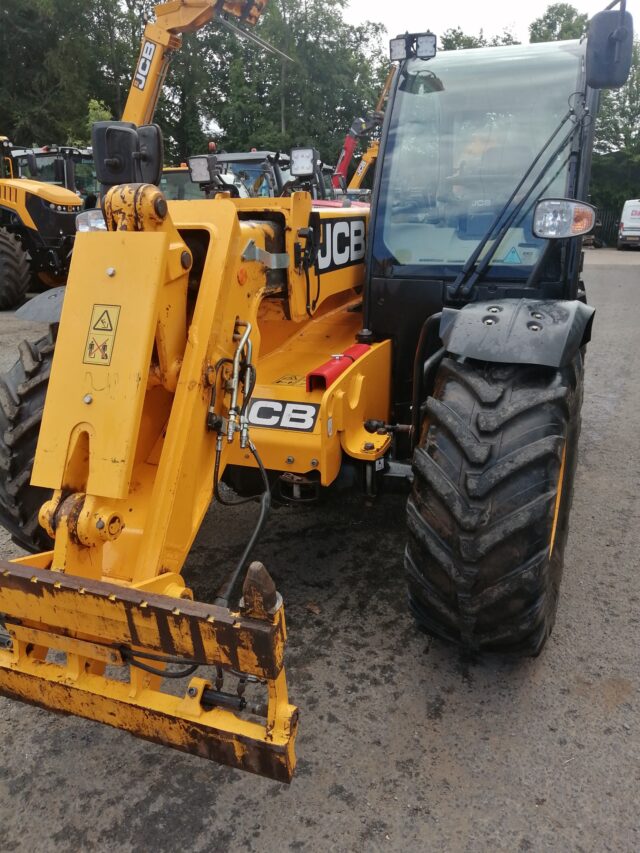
616 161
561 21
455 39
57 57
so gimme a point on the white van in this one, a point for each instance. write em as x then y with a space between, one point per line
629 229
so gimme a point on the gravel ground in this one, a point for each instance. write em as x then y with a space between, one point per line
403 744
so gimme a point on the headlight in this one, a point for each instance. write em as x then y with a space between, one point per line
422 45
202 168
302 162
557 218
91 220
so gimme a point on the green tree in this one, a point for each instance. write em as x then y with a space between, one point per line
455 39
57 56
336 74
561 21
616 161
45 66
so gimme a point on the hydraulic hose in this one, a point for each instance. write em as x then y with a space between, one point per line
226 591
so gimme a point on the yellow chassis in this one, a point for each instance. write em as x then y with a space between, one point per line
125 449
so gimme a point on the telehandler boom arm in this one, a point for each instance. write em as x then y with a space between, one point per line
358 130
162 38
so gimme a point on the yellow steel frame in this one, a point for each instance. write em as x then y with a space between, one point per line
125 449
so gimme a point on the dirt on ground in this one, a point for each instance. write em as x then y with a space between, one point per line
404 744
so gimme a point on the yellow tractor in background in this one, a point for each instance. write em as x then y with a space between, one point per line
436 340
37 221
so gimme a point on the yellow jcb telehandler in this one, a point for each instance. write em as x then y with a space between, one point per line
439 340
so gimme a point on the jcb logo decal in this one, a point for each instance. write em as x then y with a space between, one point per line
343 242
144 64
279 414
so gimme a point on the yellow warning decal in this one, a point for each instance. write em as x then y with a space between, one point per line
291 379
102 334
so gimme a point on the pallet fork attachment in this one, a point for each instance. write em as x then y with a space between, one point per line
99 626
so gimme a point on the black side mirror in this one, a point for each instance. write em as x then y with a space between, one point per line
115 144
609 49
151 153
32 164
125 154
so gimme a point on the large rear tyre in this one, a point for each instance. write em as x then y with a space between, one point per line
15 273
22 393
488 514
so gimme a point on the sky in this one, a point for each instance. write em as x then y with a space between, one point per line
492 16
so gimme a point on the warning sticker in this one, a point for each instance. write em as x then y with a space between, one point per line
291 379
512 257
102 334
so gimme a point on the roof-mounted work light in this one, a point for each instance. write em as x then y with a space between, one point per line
422 45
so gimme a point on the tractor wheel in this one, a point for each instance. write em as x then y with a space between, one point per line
488 514
22 392
15 273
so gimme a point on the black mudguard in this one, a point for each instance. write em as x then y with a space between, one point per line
518 331
44 308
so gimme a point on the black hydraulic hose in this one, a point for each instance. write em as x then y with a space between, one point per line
131 656
164 673
425 339
225 593
478 250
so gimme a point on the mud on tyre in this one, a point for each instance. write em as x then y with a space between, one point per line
15 273
488 514
22 393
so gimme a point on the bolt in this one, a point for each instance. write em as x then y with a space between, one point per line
289 460
160 206
314 463
185 260
193 692
534 327
87 399
369 445
111 272
337 356
113 657
536 316
100 524
494 309
488 321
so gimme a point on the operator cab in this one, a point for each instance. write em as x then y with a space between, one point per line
472 141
